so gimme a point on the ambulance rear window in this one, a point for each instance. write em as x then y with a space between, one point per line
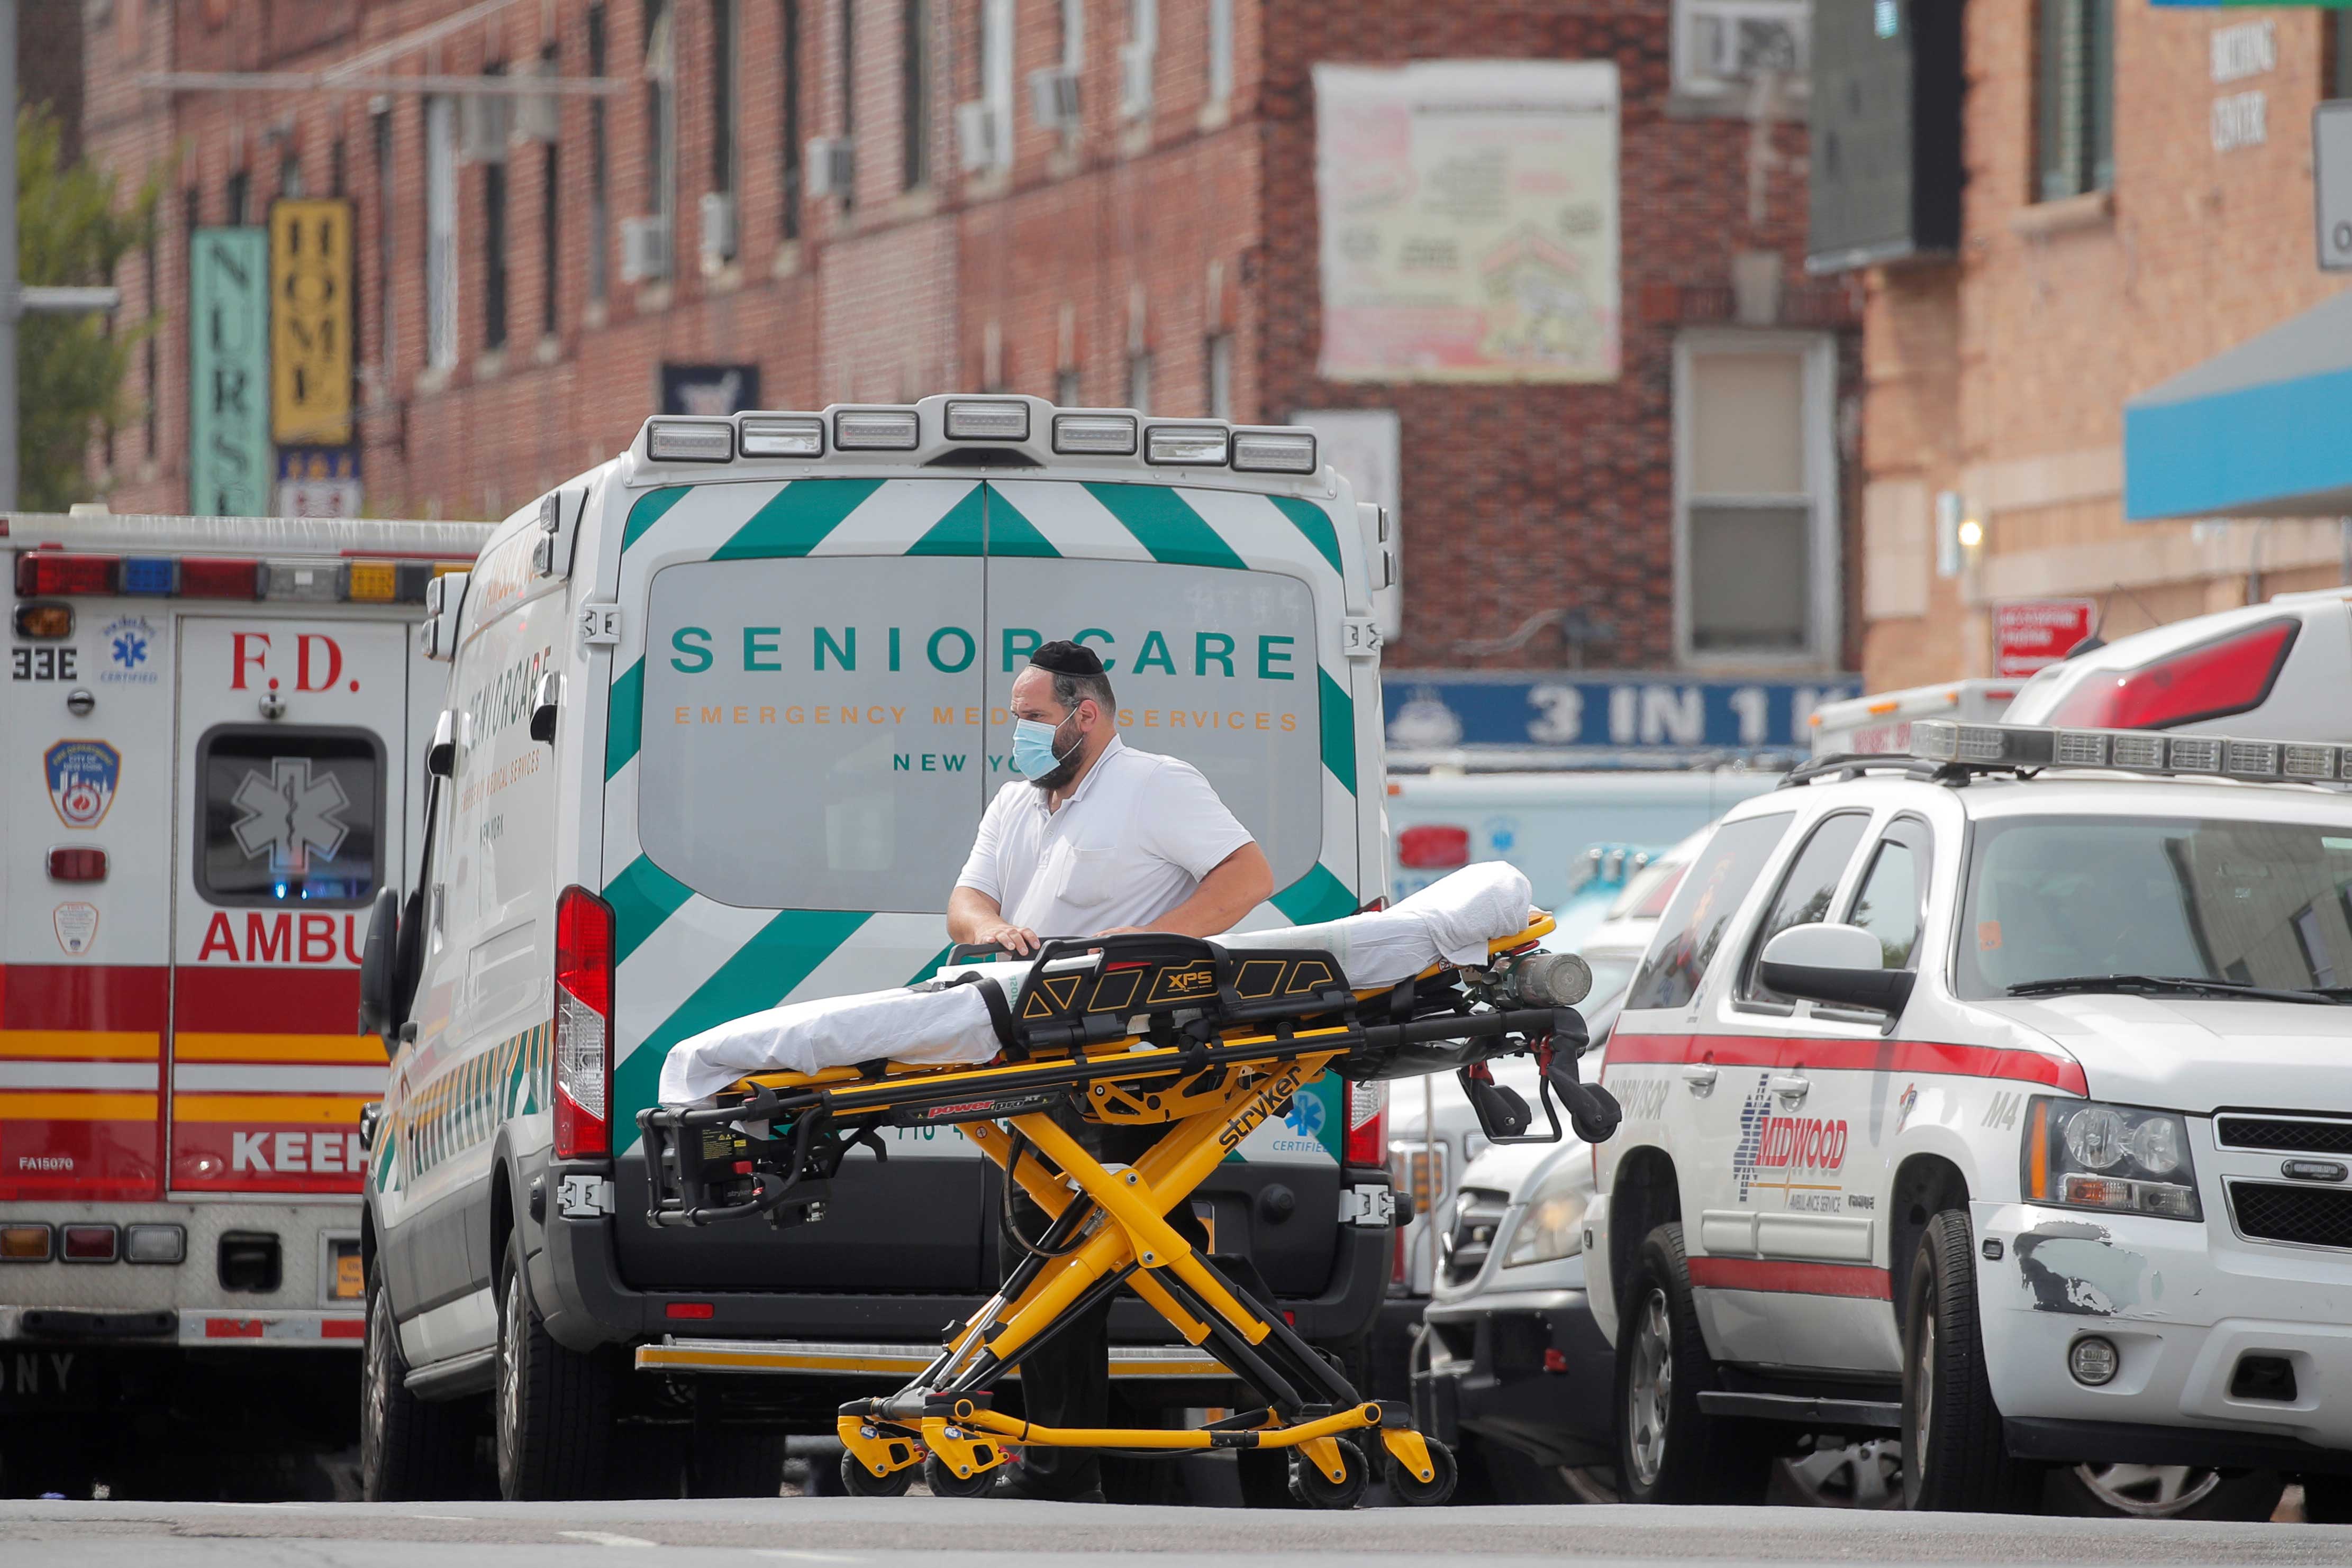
289 816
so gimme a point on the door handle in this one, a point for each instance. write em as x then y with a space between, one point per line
1792 1087
1699 1078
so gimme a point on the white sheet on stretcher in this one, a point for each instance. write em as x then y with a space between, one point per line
1450 921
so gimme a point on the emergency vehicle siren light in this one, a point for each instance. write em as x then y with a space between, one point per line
2130 752
301 582
690 440
1095 434
1274 451
1187 446
54 574
766 436
875 429
993 420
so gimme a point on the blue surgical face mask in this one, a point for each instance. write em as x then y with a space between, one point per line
1033 749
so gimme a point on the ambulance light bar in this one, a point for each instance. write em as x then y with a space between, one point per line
1095 434
783 437
2129 751
1274 451
876 430
690 441
1187 446
61 574
989 419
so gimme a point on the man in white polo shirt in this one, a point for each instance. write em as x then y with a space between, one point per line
1094 840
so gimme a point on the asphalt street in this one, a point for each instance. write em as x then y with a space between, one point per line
841 1532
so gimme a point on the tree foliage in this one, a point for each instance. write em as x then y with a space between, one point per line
73 226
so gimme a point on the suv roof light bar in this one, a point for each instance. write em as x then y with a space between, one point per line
2015 745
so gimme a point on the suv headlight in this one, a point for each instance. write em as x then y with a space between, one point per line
2084 1155
1552 1225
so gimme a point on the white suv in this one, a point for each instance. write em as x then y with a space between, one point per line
1999 1095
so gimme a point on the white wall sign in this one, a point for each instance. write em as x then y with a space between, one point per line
2331 183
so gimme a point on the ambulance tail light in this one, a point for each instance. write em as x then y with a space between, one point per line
218 577
54 574
1368 1125
2228 674
584 1025
1434 846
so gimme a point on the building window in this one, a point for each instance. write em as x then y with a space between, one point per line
2335 78
440 233
848 191
1137 57
1138 382
1068 388
915 91
1722 48
381 130
789 24
497 116
600 199
2074 98
1221 375
1756 512
661 135
984 126
152 321
240 192
1221 50
720 203
549 233
290 184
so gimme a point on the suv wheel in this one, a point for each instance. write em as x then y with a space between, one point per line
1668 1449
1953 1455
410 1451
551 1413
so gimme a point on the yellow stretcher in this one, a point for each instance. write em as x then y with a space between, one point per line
1144 1029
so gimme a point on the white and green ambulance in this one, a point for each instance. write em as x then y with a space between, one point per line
723 715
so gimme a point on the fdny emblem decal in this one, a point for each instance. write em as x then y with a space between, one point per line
82 775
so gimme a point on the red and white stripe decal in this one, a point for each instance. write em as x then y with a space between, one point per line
268 1077
271 1328
1914 1057
80 1064
1855 1279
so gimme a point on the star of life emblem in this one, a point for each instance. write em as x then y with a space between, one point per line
291 815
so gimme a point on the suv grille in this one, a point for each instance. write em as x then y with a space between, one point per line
1477 1213
2289 1137
2312 1217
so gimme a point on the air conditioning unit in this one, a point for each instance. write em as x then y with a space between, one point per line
1135 62
538 117
1054 96
1721 46
980 136
485 121
718 215
832 166
645 250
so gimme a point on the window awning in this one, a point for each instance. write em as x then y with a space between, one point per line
2262 429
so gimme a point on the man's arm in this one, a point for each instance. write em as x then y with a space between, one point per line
973 917
1237 885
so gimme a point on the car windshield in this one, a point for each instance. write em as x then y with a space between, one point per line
2237 901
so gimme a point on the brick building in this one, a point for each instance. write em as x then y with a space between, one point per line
1111 203
2136 203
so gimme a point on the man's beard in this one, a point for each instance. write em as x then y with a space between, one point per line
1062 775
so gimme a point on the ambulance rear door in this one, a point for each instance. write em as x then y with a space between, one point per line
291 793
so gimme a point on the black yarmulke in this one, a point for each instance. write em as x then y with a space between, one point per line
1067 659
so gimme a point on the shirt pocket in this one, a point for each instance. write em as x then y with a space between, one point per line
1091 878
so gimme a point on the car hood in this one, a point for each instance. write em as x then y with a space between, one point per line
2189 1053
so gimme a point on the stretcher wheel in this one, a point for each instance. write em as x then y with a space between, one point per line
860 1482
944 1482
1415 1492
1313 1489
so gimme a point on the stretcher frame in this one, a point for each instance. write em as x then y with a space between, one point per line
1242 1040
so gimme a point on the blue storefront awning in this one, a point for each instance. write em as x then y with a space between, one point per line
2262 429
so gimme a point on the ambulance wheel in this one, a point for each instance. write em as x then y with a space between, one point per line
1413 1490
860 1482
1668 1449
410 1451
1953 1456
551 1408
944 1482
1313 1489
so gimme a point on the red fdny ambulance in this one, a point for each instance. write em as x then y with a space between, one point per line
211 742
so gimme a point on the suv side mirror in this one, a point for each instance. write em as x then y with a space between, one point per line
1843 964
376 967
441 757
544 705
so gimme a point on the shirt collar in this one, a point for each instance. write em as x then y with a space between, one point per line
1117 745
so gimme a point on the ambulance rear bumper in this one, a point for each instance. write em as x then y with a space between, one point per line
213 1329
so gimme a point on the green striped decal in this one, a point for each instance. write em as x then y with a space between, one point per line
649 509
758 976
958 533
1315 523
1165 524
928 970
625 720
798 518
1010 533
1317 895
1338 730
642 896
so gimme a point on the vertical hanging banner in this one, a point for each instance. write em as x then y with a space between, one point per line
229 469
1469 220
311 321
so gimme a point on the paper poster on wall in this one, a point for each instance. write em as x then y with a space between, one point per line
1469 220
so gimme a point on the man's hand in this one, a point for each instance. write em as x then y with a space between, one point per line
973 917
1004 933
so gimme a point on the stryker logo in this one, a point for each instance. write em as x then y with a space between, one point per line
298 1153
1284 1085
